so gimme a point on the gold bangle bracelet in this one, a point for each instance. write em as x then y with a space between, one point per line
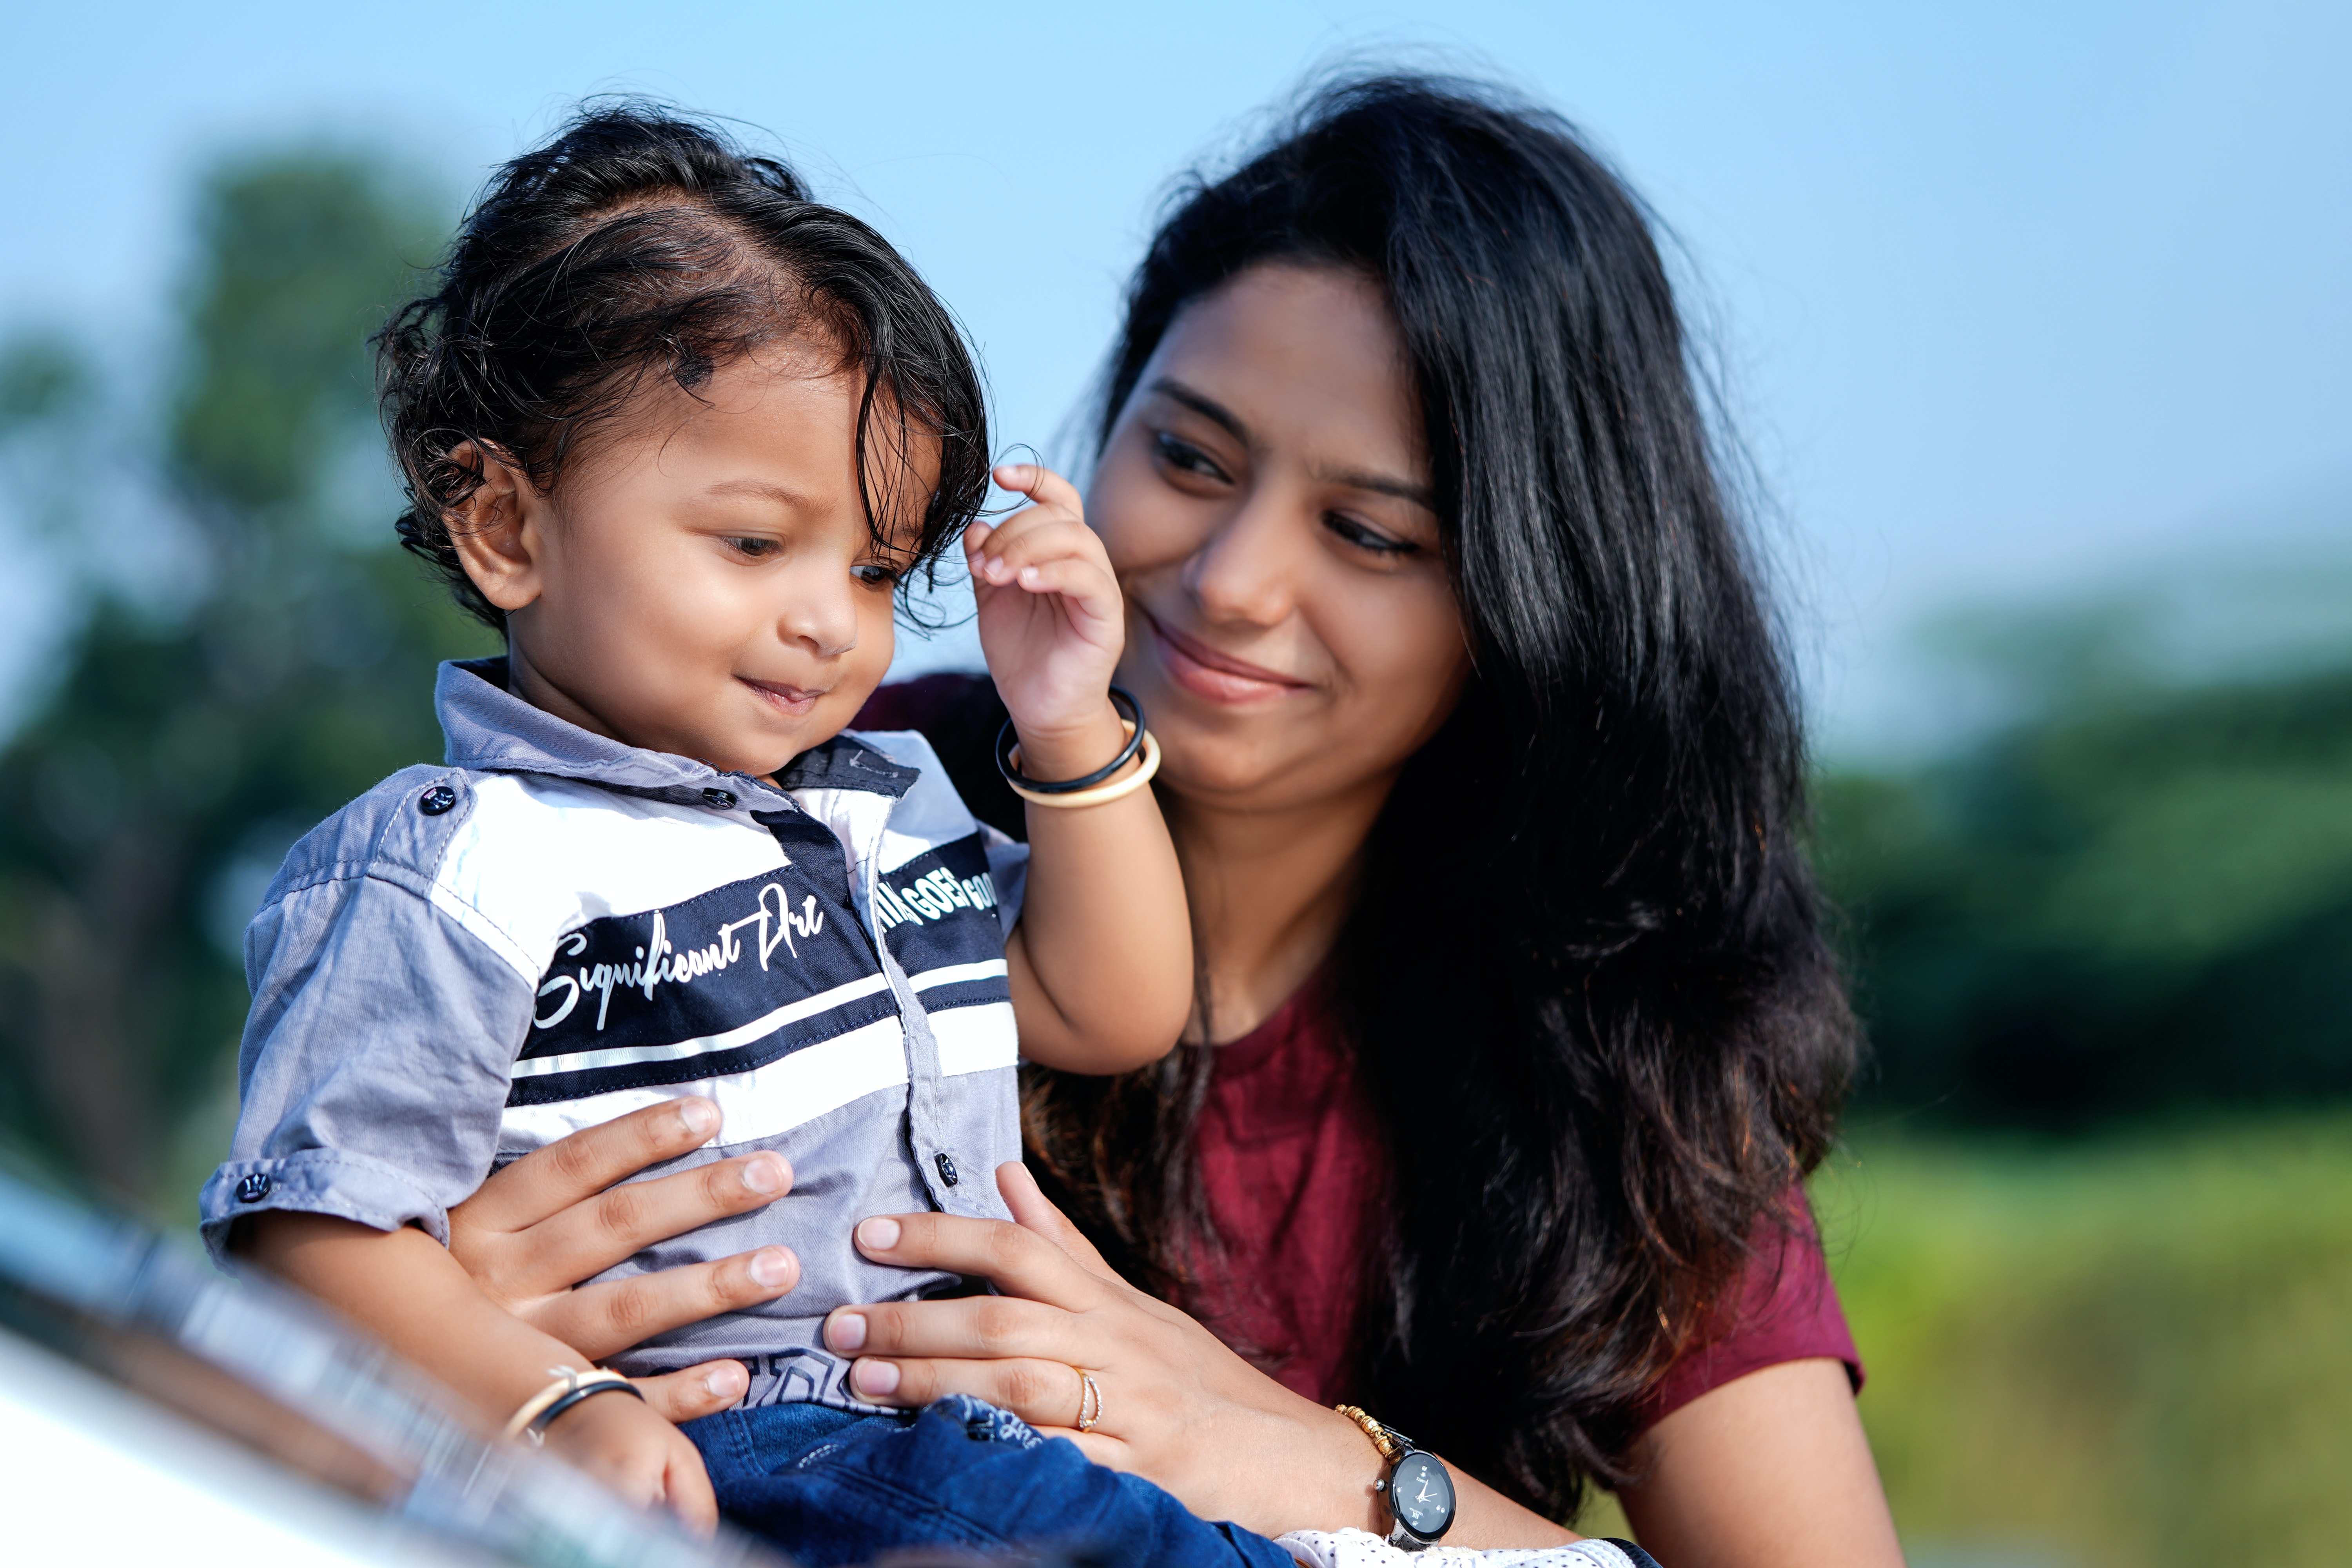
1101 794
567 1380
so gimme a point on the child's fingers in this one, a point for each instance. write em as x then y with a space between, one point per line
1039 483
695 1392
1084 584
1044 541
685 1486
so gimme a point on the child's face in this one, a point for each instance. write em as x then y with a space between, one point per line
704 581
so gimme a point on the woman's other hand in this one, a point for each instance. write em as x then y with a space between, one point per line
1177 1407
557 1216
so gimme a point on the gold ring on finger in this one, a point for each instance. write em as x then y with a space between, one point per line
1090 1399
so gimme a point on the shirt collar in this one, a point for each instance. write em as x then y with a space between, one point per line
489 728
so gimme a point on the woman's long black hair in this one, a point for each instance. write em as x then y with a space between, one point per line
1585 976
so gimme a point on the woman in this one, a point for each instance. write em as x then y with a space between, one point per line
1516 1030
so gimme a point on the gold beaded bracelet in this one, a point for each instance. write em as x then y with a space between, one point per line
1389 1443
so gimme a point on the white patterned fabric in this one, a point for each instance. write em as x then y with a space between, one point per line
1358 1549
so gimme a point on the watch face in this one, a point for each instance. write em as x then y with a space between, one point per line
1422 1493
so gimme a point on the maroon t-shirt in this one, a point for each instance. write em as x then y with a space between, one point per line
1292 1161
1294 1169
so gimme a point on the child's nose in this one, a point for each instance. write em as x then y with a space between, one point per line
821 617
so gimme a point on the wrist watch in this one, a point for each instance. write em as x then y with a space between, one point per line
1417 1489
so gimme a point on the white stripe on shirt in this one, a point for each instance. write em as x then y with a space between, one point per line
741 1035
761 1103
957 974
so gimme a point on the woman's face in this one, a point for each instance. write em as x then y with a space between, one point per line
1267 506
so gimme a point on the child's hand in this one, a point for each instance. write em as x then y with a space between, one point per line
636 1453
1051 623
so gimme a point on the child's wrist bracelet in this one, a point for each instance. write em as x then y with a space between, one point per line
1008 754
1101 794
569 1389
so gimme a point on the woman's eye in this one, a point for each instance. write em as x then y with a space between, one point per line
1363 538
1179 453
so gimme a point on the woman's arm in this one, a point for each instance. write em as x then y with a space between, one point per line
1178 1407
1769 1470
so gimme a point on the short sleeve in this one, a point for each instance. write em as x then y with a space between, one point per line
375 1060
1786 1309
1008 870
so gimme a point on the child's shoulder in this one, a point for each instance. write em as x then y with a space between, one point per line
360 835
407 827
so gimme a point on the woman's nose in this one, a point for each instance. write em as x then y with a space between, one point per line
1248 570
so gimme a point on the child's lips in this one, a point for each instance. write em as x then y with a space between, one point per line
794 701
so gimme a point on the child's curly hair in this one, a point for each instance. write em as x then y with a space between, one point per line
640 242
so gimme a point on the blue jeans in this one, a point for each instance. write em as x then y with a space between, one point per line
832 1488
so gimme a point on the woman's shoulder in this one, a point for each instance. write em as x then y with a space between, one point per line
1782 1307
960 714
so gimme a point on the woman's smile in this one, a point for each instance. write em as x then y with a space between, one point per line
1215 676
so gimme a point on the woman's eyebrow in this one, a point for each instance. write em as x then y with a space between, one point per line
1378 484
1217 413
1208 408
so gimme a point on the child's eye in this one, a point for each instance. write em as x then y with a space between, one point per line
1364 538
757 549
875 575
1180 454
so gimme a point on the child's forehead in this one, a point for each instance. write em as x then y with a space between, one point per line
797 408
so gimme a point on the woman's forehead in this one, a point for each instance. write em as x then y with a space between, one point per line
1302 358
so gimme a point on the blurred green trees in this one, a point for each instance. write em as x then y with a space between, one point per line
194 728
2137 900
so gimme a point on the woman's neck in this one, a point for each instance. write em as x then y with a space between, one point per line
1270 890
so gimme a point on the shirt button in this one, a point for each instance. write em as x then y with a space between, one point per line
437 800
947 1168
253 1188
717 800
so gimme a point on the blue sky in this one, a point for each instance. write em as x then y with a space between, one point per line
2016 301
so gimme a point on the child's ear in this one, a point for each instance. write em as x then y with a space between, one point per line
498 530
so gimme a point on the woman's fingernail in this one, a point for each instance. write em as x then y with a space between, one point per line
727 1382
764 1173
772 1266
875 1378
878 1234
698 1116
846 1331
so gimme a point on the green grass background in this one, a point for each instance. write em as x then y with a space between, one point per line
2132 1350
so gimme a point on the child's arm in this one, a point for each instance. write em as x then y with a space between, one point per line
406 1288
1101 961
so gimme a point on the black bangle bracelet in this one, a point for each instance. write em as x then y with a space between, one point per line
1120 697
546 1418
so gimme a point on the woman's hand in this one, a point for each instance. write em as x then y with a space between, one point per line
556 1216
1178 1407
